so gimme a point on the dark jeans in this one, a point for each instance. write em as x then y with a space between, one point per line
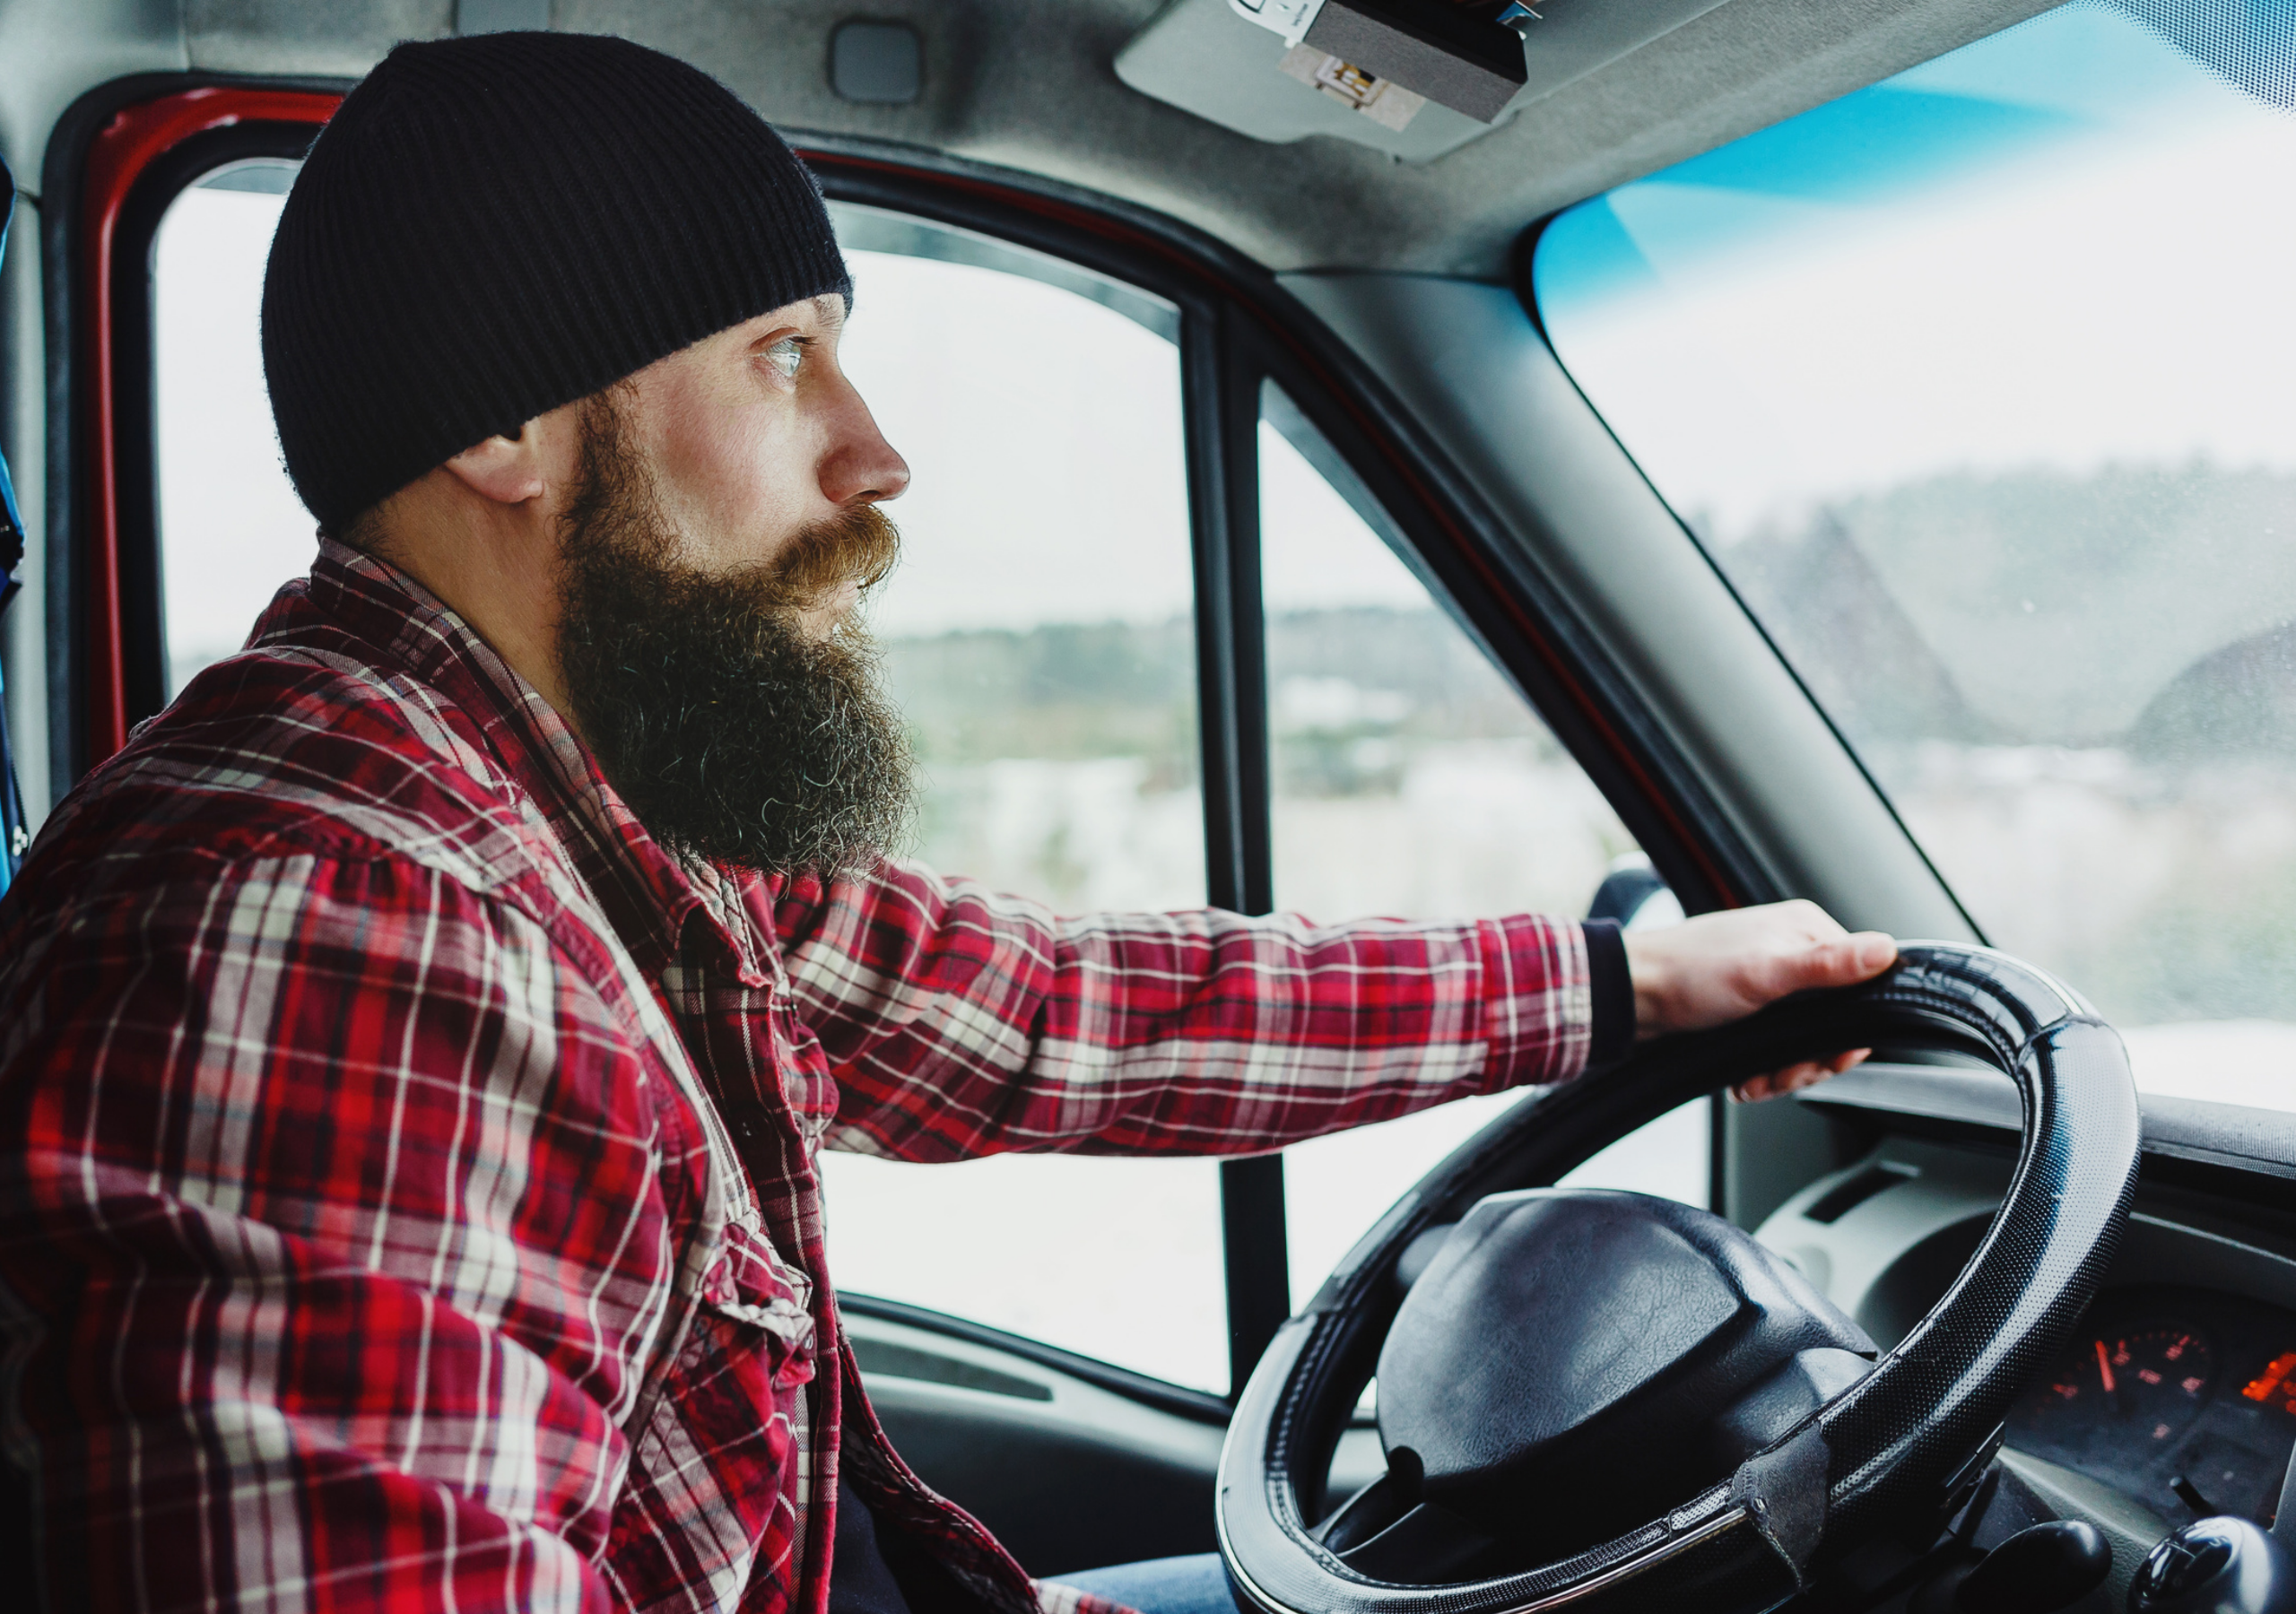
863 1582
1196 1584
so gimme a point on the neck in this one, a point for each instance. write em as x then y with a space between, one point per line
495 566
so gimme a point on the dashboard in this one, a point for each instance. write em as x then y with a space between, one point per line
2177 1396
2182 1398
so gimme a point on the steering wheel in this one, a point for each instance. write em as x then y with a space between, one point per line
1594 1400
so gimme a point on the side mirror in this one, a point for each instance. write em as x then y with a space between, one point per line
1632 894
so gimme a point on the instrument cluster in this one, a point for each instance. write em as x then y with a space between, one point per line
2185 1400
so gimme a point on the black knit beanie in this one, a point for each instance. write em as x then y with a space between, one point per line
491 227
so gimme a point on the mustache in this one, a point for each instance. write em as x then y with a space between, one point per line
858 546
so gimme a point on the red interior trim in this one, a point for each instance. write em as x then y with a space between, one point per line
117 158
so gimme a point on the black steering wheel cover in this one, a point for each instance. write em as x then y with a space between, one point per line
1892 1444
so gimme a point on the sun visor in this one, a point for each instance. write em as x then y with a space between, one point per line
1412 78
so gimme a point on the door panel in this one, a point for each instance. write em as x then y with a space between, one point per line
1068 1474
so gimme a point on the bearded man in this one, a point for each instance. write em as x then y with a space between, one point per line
415 1046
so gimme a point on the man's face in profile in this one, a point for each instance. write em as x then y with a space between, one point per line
719 536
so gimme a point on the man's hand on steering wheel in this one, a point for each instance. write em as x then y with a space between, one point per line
1722 966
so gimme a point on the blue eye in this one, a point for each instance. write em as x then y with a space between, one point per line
786 355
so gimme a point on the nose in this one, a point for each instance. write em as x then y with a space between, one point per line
860 466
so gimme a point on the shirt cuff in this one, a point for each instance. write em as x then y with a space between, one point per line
1611 985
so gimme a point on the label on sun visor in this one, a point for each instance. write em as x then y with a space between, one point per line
1290 18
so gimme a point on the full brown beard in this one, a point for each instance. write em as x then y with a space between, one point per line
729 731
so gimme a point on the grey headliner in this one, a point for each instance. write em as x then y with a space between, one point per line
1028 85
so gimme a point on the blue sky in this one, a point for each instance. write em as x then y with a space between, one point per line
2087 73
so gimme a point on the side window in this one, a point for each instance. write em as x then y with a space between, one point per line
1039 632
231 530
1411 780
1039 635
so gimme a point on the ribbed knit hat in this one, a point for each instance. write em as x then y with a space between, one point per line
491 227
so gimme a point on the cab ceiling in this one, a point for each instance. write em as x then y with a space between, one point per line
1028 85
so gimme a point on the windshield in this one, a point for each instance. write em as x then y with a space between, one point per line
1979 386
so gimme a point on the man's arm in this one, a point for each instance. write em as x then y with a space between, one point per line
327 1213
962 1023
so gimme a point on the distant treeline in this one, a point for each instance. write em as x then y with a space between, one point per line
1073 691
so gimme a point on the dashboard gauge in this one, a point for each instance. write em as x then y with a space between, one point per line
2275 1386
2141 1387
2169 1393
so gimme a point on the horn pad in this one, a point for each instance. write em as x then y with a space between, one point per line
1572 1356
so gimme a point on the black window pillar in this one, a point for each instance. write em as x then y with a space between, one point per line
1221 380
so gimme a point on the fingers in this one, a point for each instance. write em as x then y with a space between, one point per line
1841 962
1870 953
1720 967
1794 956
1777 1084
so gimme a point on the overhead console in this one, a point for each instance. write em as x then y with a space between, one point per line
1413 78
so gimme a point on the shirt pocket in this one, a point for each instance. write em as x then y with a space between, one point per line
751 1287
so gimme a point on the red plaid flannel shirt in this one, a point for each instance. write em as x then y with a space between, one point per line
407 1187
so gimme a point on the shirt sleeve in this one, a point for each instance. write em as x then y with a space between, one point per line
329 1212
959 1022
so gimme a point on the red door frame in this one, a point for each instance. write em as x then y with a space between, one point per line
127 145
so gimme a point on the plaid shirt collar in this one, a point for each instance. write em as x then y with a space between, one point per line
657 902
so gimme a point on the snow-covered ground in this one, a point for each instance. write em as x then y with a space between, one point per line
2166 894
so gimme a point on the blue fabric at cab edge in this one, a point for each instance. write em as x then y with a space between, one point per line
13 836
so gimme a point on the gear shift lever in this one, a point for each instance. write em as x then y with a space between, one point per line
2223 1566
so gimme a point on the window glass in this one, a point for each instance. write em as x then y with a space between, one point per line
1975 385
1037 635
231 530
1411 780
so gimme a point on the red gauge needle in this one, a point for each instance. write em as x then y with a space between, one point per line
2105 1368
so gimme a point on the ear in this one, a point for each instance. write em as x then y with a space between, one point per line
505 469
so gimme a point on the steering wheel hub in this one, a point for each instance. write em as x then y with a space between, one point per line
1582 1357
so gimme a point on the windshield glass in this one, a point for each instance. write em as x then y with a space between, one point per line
1979 386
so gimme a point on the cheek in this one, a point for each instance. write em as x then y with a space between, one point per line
734 478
